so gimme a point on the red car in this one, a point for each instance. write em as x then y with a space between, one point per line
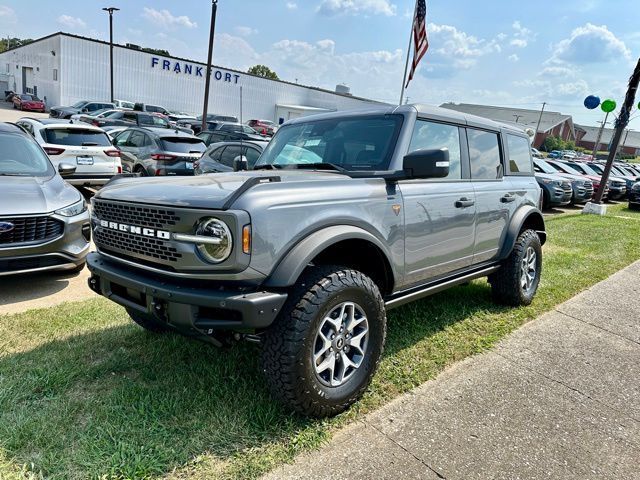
27 101
263 127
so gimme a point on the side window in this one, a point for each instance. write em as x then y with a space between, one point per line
121 139
252 155
229 154
432 136
484 155
215 154
129 117
136 140
92 107
519 154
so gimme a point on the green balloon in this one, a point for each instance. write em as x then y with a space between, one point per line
608 106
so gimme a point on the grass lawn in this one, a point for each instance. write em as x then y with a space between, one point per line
84 393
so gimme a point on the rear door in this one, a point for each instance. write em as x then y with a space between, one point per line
84 148
439 213
121 141
495 196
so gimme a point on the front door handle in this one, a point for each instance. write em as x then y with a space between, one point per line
508 198
464 202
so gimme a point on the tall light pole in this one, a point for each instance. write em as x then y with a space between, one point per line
111 10
207 81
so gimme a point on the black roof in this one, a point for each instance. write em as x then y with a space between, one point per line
7 127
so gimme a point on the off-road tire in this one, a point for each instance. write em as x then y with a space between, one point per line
148 322
506 287
288 345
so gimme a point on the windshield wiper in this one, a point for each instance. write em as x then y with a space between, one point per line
13 174
321 166
266 166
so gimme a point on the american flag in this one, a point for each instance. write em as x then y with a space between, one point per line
420 41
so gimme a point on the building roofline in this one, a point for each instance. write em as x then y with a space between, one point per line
103 42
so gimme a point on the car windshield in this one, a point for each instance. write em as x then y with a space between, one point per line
20 156
352 143
567 169
77 137
79 104
30 98
544 166
587 169
183 145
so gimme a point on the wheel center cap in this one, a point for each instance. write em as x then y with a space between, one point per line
339 343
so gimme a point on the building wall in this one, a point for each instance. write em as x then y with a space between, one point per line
40 56
179 85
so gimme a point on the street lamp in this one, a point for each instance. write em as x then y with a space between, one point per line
111 10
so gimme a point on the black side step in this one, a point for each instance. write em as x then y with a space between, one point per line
416 294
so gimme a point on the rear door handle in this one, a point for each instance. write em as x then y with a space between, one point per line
464 202
508 198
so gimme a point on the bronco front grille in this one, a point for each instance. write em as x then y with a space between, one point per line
31 229
143 216
148 247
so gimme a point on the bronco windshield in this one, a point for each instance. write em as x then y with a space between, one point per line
351 143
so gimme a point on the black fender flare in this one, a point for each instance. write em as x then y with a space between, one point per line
289 269
524 214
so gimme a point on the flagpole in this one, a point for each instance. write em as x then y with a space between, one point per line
406 63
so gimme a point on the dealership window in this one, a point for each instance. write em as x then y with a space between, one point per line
433 136
519 154
55 74
484 155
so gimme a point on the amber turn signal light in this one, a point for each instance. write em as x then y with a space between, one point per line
246 239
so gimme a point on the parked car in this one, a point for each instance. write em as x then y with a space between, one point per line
112 131
90 117
146 107
535 153
263 127
213 117
29 102
617 186
555 154
615 174
44 223
305 258
566 168
225 131
86 147
158 151
129 118
582 188
634 197
124 104
224 156
83 106
8 95
556 191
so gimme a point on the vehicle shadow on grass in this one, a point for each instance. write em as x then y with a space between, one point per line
120 402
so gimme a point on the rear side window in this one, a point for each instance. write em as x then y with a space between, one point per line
229 154
76 137
183 145
484 155
519 154
252 155
136 140
434 136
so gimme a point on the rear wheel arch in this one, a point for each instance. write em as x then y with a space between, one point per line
344 245
527 217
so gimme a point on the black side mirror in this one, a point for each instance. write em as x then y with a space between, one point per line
66 169
240 163
427 163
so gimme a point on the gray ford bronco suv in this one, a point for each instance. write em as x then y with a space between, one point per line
344 216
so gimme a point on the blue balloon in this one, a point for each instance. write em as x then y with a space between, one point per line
592 102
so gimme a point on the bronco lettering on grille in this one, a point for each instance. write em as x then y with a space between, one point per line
145 232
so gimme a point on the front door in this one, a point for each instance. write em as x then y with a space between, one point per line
439 213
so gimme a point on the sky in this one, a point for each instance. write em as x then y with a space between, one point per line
498 52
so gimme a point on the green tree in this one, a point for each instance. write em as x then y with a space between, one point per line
157 51
553 143
7 43
263 71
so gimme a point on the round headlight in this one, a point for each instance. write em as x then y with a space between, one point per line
219 251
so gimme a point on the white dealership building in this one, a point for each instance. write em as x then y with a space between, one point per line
63 69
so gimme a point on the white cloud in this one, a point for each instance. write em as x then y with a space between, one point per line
71 22
245 31
513 58
557 72
522 35
357 7
292 5
7 14
590 44
164 18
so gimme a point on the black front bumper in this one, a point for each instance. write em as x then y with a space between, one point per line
191 308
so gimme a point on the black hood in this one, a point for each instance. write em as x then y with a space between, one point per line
35 195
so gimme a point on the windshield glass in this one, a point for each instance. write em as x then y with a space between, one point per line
353 143
22 157
183 145
544 166
77 137
587 169
79 104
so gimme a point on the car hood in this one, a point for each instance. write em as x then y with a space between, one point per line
571 177
66 109
203 191
550 176
35 195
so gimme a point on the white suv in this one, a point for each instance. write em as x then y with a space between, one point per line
86 146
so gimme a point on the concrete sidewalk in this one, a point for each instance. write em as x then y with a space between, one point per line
559 398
